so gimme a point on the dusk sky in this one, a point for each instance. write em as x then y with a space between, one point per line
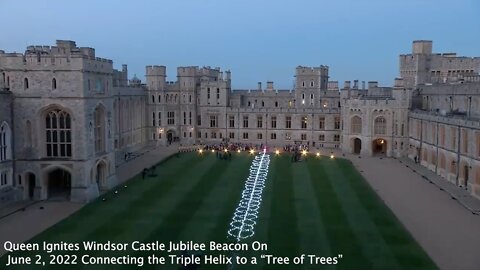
258 40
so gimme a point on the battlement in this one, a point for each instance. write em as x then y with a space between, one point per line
63 56
422 47
188 71
305 71
156 71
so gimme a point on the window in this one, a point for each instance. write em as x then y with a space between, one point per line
153 99
321 123
99 129
276 104
245 121
208 93
199 120
304 122
54 83
184 118
245 135
312 84
453 132
58 134
153 119
190 98
213 121
231 121
288 122
274 122
189 118
337 123
321 137
312 99
5 142
273 136
3 178
213 135
336 137
380 126
159 119
356 125
303 137
263 103
465 140
231 135
199 134
218 93
159 98
170 118
259 136
259 122
25 84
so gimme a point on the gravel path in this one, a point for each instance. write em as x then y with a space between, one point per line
448 232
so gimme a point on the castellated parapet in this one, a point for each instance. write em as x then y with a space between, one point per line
156 76
64 56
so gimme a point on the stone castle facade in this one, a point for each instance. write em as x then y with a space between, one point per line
68 117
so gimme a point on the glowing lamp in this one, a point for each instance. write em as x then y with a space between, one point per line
277 152
213 150
252 151
332 156
225 150
318 154
238 151
304 152
200 151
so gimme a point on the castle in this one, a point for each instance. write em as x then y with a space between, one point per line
67 117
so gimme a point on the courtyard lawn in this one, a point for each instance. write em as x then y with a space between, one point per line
318 206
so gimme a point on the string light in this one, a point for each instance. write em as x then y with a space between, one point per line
246 213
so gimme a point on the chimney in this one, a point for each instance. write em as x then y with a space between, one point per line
372 84
270 86
346 85
399 82
355 84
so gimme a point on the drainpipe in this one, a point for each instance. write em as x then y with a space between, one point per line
436 144
458 157
12 140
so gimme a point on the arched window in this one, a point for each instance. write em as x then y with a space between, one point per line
58 129
159 98
5 139
54 83
153 99
99 129
28 135
276 103
356 125
312 84
25 83
380 126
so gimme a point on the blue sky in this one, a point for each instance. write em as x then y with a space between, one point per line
258 40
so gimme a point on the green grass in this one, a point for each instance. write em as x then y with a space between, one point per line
319 206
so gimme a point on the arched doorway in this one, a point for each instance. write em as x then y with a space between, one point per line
379 146
31 185
100 175
59 184
170 136
357 145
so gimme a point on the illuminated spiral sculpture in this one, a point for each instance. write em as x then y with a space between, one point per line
246 213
